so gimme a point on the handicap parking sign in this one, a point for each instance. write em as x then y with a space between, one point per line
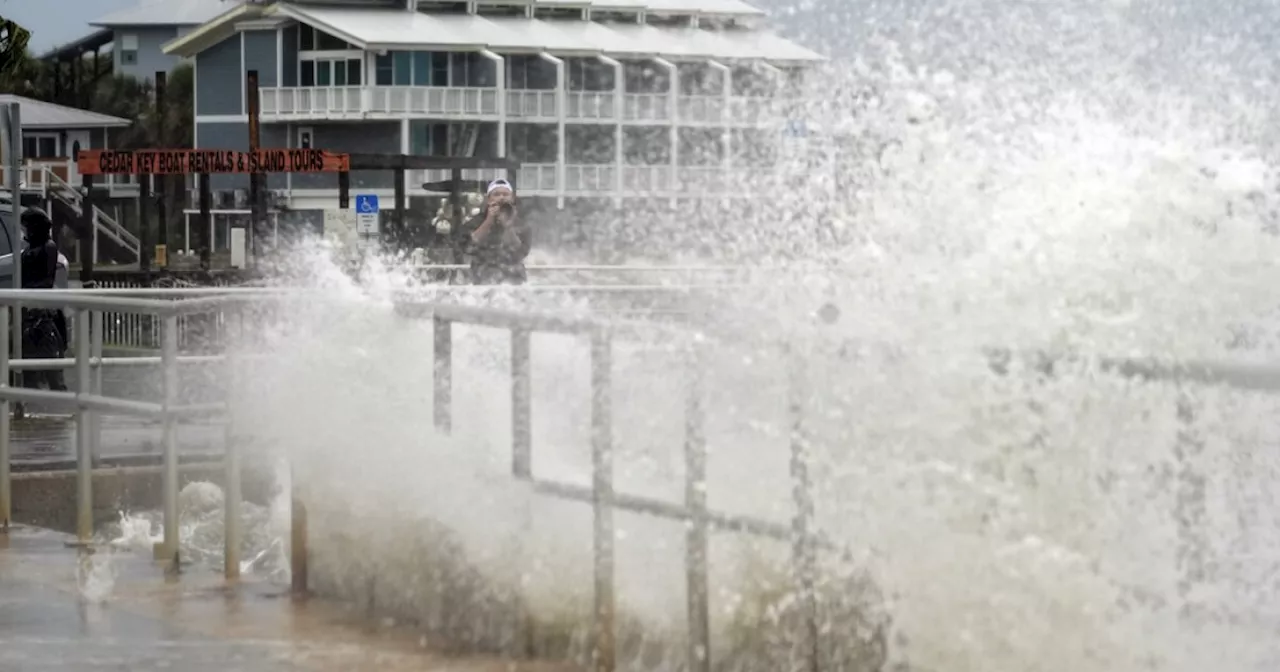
367 214
367 204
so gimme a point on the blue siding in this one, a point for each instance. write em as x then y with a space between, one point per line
149 58
219 82
289 71
260 55
235 135
224 135
365 137
374 137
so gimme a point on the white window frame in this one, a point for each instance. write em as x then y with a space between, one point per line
343 55
307 131
37 137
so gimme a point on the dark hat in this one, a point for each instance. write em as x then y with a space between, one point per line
34 217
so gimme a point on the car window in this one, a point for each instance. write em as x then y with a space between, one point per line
6 225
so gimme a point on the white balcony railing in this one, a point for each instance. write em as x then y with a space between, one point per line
523 104
538 178
441 101
646 107
589 179
481 103
590 105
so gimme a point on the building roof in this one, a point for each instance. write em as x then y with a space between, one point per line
39 115
166 13
74 49
374 28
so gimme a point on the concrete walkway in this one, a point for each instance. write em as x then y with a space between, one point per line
115 611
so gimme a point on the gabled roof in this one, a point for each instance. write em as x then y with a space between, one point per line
390 29
166 13
39 115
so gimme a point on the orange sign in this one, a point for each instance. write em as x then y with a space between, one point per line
183 161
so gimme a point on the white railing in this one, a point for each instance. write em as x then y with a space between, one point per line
523 104
325 101
538 177
345 102
417 178
589 179
702 109
449 101
647 179
103 224
597 105
646 107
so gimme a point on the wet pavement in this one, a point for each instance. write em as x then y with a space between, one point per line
63 611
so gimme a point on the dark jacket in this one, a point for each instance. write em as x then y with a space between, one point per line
44 329
499 257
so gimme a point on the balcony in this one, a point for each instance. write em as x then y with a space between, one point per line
481 104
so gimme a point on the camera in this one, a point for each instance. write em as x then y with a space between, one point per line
506 209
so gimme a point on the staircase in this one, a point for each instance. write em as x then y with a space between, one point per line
109 241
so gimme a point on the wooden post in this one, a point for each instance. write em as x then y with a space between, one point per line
257 214
88 244
144 223
695 498
162 181
521 404
344 190
804 546
604 649
205 247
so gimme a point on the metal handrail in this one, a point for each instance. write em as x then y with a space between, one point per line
89 401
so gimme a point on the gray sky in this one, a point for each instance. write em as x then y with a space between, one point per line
55 22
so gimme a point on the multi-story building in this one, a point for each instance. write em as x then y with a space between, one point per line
617 99
138 33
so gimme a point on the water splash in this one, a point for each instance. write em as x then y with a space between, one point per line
1032 176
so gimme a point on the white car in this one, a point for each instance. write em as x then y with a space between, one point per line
8 226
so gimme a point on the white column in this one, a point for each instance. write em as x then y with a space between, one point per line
673 118
726 120
500 64
619 91
562 110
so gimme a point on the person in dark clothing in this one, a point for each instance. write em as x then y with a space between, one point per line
497 240
44 330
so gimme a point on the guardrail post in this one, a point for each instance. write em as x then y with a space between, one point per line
695 497
232 493
169 369
804 547
298 567
521 404
84 433
6 426
442 398
604 654
96 338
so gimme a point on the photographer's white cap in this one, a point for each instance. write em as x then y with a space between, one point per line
499 184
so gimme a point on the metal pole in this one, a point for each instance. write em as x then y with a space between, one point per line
84 438
695 497
604 654
6 491
169 367
804 547
96 337
13 152
443 393
521 404
231 525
